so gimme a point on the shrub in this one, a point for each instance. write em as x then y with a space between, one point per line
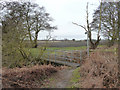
31 77
100 70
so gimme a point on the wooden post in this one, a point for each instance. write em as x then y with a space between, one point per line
119 43
80 56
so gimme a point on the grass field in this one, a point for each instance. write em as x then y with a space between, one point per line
36 51
67 48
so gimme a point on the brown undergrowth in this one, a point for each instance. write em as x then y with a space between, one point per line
26 77
99 70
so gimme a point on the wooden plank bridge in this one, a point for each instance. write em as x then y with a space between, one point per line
64 63
69 58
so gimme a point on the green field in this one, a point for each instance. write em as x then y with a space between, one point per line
67 48
36 51
71 48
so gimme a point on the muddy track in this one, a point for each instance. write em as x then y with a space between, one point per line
61 79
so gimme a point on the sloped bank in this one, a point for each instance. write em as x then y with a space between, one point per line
31 77
100 70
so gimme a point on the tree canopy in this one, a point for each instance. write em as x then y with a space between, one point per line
21 22
109 21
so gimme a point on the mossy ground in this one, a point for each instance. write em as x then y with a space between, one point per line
75 78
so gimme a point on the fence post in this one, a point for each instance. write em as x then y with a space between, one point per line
80 56
71 56
65 57
55 56
48 57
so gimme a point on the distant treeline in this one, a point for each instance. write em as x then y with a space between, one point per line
68 43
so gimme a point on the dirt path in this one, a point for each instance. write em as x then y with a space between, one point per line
61 79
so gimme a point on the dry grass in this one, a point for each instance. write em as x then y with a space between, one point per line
26 77
99 71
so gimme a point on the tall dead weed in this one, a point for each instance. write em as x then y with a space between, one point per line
26 77
99 71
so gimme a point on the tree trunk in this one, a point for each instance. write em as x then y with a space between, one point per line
35 45
93 45
111 42
118 43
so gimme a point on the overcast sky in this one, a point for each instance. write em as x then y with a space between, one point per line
64 12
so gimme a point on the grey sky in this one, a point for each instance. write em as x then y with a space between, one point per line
64 13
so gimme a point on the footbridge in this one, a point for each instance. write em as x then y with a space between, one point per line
71 58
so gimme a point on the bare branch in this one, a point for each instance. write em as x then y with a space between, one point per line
80 26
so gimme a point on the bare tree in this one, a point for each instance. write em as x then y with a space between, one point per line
108 21
36 20
87 28
13 34
21 21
